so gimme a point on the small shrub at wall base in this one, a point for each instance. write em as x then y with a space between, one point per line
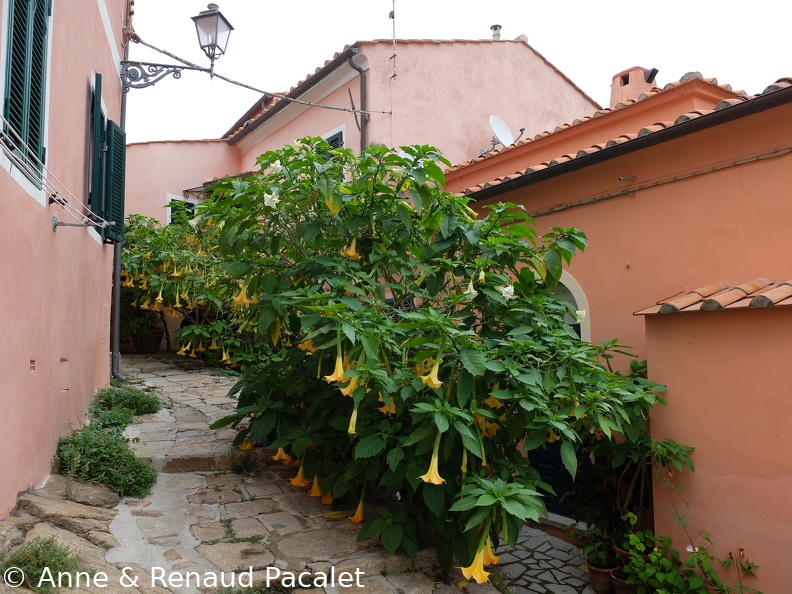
101 455
34 556
138 402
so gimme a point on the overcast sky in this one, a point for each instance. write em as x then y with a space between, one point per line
275 44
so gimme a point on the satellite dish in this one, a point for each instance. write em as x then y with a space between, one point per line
500 131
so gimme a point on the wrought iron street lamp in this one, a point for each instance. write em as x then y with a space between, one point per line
213 32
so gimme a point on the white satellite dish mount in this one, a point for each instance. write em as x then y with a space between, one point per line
501 133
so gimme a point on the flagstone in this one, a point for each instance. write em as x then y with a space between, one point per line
238 555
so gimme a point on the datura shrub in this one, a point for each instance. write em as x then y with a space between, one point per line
176 271
417 350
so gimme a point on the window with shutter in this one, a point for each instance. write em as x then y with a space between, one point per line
108 164
26 78
336 140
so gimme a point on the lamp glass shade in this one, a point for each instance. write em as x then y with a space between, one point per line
213 32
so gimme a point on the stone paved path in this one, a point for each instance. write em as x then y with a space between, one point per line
205 518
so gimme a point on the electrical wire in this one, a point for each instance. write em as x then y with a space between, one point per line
280 96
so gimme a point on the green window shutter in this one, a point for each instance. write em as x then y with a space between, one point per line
336 140
114 182
26 76
96 199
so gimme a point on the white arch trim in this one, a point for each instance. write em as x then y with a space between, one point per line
582 303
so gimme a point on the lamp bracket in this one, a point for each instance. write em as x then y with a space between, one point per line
138 75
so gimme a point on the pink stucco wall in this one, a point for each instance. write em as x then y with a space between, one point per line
156 169
727 375
443 95
729 225
716 207
56 285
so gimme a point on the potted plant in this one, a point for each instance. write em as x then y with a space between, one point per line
599 561
632 542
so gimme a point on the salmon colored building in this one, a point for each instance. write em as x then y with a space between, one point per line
56 279
440 93
676 188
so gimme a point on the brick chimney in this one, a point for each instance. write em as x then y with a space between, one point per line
630 83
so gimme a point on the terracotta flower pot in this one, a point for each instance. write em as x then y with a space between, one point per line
600 578
620 585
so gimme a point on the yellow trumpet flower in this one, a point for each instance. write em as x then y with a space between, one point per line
489 555
333 207
475 570
351 387
433 475
242 299
553 437
275 331
213 346
307 346
280 455
159 296
350 251
431 378
299 480
246 446
316 490
358 517
338 373
488 428
353 421
493 402
183 350
328 498
387 409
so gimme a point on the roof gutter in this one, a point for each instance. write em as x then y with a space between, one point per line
299 90
753 106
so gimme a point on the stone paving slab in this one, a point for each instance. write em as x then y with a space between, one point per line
203 519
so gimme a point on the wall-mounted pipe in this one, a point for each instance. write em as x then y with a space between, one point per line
363 101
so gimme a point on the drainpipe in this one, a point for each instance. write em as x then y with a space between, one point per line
115 316
363 101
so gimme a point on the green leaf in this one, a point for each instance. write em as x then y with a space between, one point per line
267 315
237 268
395 456
474 361
349 331
464 388
369 446
569 458
392 536
434 498
553 264
471 444
263 426
441 421
521 510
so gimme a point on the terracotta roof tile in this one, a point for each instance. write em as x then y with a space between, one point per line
760 292
740 97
